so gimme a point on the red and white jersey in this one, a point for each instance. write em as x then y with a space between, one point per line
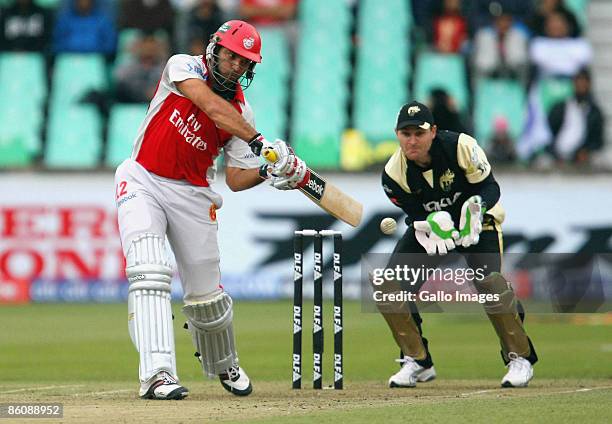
178 140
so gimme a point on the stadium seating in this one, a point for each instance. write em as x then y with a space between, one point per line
123 124
320 91
125 40
498 98
381 78
268 94
553 90
579 8
74 130
49 3
437 70
74 137
22 76
75 75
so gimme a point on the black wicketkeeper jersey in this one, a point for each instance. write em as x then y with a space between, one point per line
459 169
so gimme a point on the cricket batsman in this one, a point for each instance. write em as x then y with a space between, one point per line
444 183
164 190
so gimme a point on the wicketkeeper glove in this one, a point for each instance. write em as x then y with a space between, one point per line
470 223
437 234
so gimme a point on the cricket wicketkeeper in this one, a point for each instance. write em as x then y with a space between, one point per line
444 182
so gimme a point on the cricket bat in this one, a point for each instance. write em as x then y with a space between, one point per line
326 195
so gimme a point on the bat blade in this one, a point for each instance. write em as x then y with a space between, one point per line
333 200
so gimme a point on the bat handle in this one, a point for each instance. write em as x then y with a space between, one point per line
269 154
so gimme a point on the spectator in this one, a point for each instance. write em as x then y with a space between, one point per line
555 53
577 123
481 12
449 28
501 146
278 14
201 22
82 27
147 15
268 12
136 80
545 8
421 12
196 46
444 111
25 26
500 50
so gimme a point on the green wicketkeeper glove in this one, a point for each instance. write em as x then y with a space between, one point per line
470 223
437 234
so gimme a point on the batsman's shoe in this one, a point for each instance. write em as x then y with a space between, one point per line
163 386
407 375
520 371
236 381
428 374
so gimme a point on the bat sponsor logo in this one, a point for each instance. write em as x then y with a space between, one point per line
315 186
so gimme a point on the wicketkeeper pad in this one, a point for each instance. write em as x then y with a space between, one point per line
504 315
401 323
210 323
149 310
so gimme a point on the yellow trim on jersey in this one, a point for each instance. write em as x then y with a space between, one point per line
500 239
428 175
498 213
396 168
472 159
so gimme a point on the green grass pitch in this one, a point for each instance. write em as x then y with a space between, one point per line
81 355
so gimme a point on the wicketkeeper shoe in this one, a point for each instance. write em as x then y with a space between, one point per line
163 386
236 381
407 375
520 371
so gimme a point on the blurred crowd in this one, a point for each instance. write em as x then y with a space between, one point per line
532 43
527 41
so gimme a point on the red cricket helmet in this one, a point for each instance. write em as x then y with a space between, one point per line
241 38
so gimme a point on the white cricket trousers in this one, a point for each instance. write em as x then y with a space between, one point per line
186 214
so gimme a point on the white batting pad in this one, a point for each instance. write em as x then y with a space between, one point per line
211 327
149 310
